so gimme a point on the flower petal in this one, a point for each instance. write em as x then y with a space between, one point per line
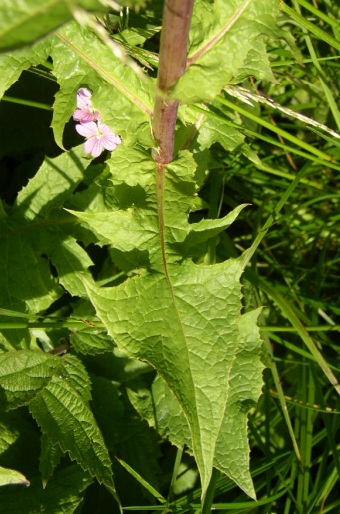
110 141
83 98
87 129
93 146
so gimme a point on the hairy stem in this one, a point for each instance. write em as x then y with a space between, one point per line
172 63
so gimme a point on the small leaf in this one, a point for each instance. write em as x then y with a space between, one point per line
91 340
23 374
63 494
10 476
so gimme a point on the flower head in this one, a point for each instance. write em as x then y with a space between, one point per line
85 112
98 137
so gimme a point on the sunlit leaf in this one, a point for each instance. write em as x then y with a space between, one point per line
222 35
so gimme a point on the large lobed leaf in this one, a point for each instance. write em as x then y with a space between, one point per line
181 317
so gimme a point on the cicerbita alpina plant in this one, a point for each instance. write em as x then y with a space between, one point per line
98 135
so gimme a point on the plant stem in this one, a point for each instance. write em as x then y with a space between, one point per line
172 63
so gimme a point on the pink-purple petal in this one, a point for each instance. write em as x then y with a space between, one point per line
87 129
83 98
93 146
110 141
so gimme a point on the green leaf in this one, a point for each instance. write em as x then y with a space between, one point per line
91 340
138 216
72 370
50 456
23 374
161 409
13 63
58 393
10 476
185 320
65 417
223 38
51 185
24 21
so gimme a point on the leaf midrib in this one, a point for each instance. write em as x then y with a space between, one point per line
160 205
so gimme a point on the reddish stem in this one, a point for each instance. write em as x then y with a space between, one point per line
172 64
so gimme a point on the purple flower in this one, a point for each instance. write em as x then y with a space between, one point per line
98 137
83 98
85 112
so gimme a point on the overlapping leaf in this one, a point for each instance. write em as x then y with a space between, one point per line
38 227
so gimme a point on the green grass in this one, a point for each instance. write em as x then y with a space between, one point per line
294 273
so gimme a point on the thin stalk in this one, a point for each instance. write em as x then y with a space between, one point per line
175 471
28 103
11 325
209 497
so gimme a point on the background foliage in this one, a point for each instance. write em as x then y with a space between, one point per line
258 124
